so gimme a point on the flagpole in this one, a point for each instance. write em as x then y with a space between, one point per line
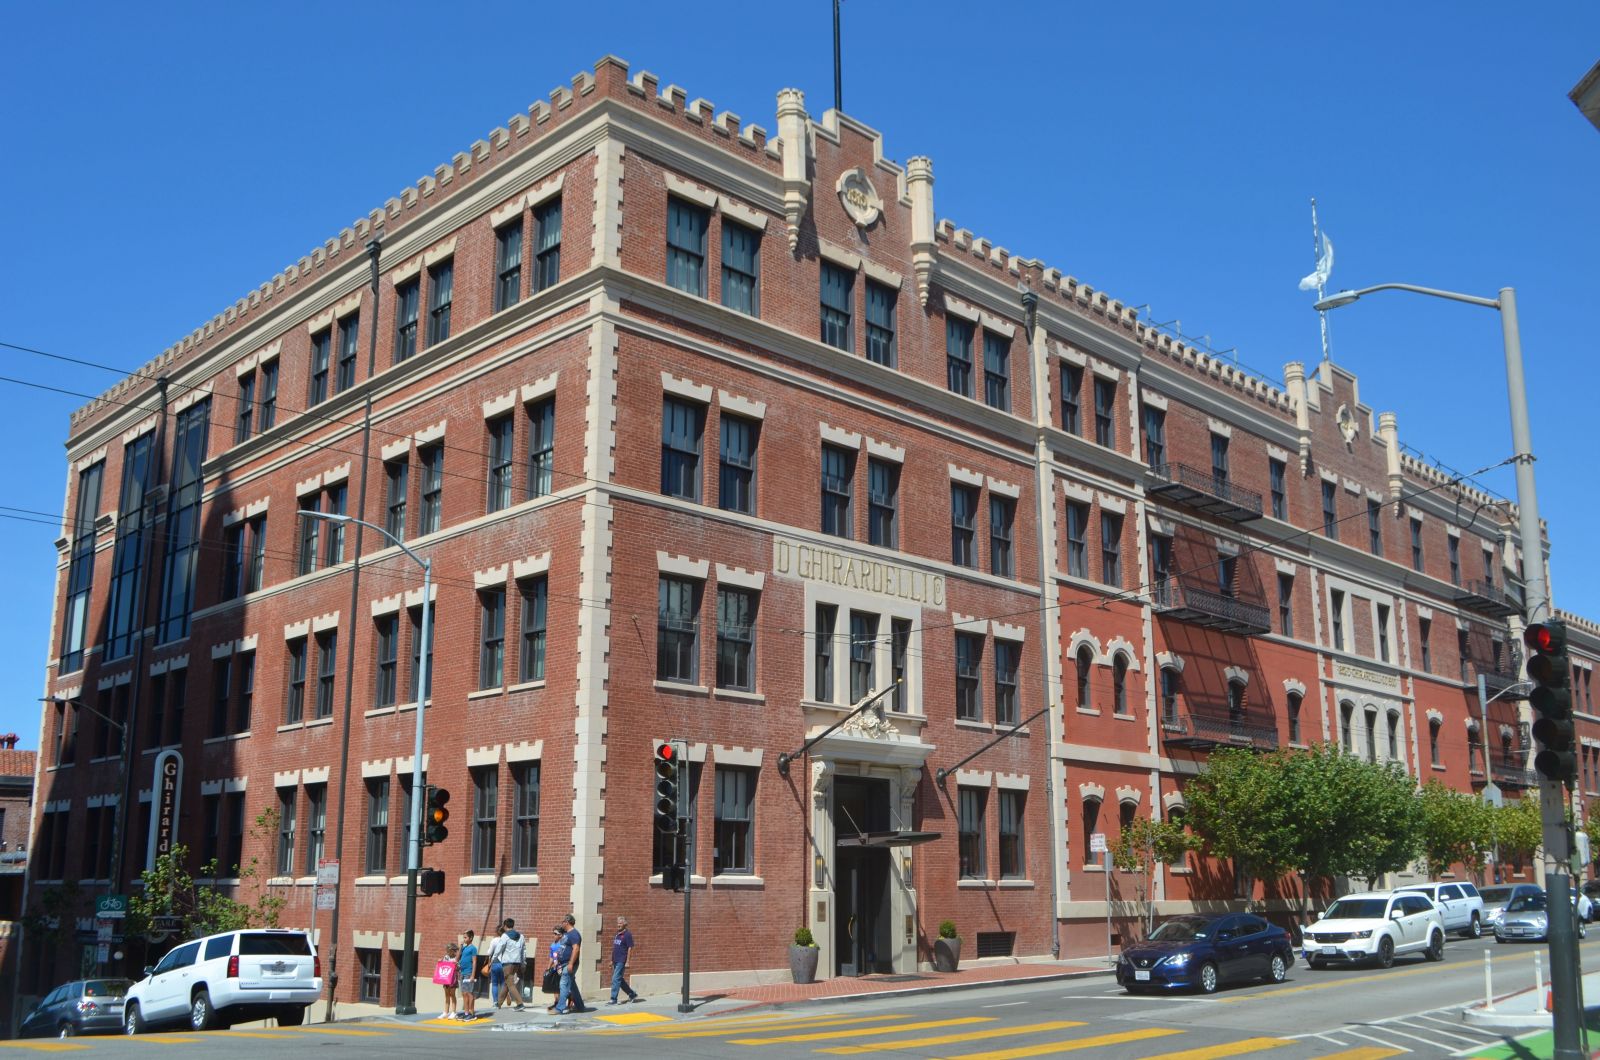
1316 255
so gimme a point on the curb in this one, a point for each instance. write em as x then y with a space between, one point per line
913 991
1532 1021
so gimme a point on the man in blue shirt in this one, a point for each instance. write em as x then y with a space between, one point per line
621 949
572 943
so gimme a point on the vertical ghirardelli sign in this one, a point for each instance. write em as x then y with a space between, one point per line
164 809
829 566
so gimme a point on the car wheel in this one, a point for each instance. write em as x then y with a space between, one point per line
1385 952
202 1017
1278 970
291 1017
1435 950
1476 930
66 1030
1208 979
132 1021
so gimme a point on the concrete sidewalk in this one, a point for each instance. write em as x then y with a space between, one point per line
1525 1009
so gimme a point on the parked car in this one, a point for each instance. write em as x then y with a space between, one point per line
1200 952
83 1006
1496 898
1527 918
233 977
1376 926
1459 904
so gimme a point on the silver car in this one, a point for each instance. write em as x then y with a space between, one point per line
1527 918
1497 897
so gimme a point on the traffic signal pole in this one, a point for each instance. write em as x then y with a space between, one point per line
406 995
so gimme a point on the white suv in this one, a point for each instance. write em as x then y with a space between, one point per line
233 977
1459 904
1374 927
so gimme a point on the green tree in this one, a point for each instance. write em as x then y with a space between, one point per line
1241 808
1591 825
1456 828
204 907
1141 846
1518 829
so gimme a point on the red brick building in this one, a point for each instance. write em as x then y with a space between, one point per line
710 435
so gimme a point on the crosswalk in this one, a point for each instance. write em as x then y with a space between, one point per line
1435 1032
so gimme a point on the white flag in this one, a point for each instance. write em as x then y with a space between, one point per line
1324 267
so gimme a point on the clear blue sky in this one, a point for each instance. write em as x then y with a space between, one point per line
163 160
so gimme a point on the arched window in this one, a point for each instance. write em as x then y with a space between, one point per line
1433 741
1394 736
1085 660
1505 747
1091 825
1372 734
1347 713
1119 684
1236 702
1128 810
1169 695
1294 717
1477 753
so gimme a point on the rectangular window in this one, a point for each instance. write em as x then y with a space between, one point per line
1155 436
899 647
677 630
535 602
1012 864
958 356
507 264
1160 557
286 822
349 335
883 503
1424 628
880 324
1227 574
969 656
244 669
682 430
1383 632
378 826
80 574
387 691
1416 544
1002 513
1286 604
316 825
1111 548
1337 616
441 288
741 249
221 692
431 457
1071 398
327 646
1078 540
736 802
407 306
686 246
1276 473
1219 461
1453 549
736 473
245 423
502 432
321 352
1330 510
371 976
1105 403
838 489
485 817
1374 527
541 448
294 707
963 525
183 521
310 535
970 840
492 646
333 504
822 662
997 371
525 850
546 244
838 297
1007 655
736 639
396 490
124 617
863 655
415 614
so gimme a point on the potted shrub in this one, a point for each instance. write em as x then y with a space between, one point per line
803 956
947 948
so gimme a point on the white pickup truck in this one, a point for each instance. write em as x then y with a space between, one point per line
1459 904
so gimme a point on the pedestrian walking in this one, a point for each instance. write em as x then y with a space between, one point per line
467 962
512 958
570 1000
551 983
447 974
497 968
621 950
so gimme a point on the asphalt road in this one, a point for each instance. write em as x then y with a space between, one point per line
1337 1014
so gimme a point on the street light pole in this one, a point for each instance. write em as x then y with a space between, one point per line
1566 988
406 994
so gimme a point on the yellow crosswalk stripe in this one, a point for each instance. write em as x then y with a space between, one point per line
731 1023
1072 1044
1365 1052
323 1028
163 1039
824 1035
1216 1052
250 1034
947 1039
783 1025
44 1045
635 1019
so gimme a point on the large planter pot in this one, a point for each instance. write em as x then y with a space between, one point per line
946 954
803 963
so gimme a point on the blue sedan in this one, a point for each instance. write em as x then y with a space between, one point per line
1201 952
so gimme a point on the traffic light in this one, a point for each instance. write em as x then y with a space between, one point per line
434 816
430 881
1551 671
666 787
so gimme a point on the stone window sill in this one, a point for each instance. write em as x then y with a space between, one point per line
527 686
976 885
677 688
522 878
739 695
736 880
485 693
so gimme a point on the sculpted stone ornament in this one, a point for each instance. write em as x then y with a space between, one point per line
859 197
821 783
1347 425
869 723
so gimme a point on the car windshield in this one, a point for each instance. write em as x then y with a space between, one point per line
287 944
1494 895
1356 909
1526 903
106 987
1182 929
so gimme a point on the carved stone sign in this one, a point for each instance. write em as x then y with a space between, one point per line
808 562
164 815
859 197
1361 675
